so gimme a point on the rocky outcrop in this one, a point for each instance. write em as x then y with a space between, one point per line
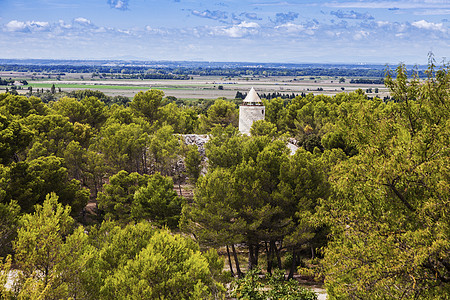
197 139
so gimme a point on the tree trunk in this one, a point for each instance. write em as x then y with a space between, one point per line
229 261
256 255
293 265
269 251
251 257
144 163
277 253
253 251
236 261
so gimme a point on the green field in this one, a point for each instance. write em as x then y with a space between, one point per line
89 86
103 86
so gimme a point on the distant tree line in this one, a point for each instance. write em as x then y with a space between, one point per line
269 96
368 81
6 81
145 72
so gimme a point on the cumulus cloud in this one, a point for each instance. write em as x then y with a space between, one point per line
118 4
62 24
290 27
382 23
239 30
215 15
360 35
28 26
281 18
308 28
351 15
82 21
152 30
15 25
422 24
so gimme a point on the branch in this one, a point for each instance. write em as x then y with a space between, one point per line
399 195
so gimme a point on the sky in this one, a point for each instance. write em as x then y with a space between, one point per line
323 31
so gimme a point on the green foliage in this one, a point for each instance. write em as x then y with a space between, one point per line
170 267
5 268
116 200
51 134
124 146
138 261
89 110
215 263
50 259
40 250
22 106
270 288
223 113
224 149
193 163
115 246
131 196
163 150
75 160
262 127
385 207
14 138
147 104
30 182
274 111
182 120
125 115
8 226
255 193
389 211
81 94
249 287
213 216
157 202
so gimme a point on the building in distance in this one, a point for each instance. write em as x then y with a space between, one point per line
251 110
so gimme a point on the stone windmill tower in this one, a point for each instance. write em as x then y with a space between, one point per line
252 109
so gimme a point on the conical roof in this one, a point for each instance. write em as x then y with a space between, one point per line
252 96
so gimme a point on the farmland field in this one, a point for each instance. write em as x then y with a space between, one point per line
200 87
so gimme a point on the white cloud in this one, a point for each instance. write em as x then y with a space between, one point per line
309 28
382 23
19 26
38 24
361 34
15 25
62 24
291 27
118 4
82 21
240 30
422 24
245 24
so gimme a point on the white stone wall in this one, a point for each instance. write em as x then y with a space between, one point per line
248 114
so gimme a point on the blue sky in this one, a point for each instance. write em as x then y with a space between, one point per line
324 31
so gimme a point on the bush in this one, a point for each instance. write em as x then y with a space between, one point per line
273 287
